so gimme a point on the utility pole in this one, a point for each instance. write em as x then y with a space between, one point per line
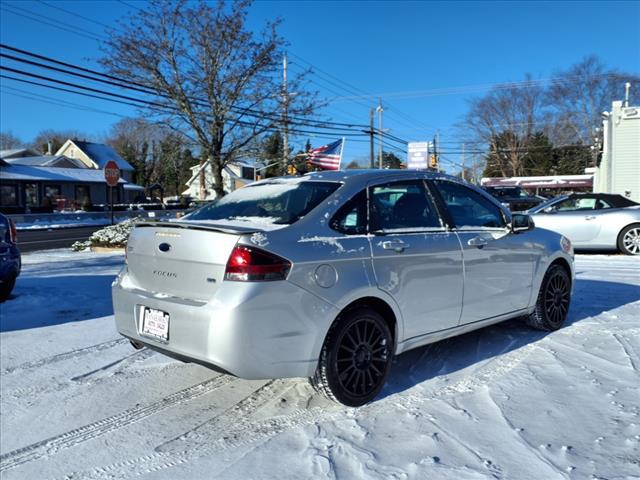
285 108
463 173
371 154
380 110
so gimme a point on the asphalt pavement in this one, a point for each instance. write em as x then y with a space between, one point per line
45 239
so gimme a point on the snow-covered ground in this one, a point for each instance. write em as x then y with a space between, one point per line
504 402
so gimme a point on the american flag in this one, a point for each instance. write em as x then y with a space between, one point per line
328 156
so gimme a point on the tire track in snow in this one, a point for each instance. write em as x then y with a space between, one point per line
65 356
109 424
235 428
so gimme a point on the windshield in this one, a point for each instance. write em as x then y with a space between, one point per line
277 202
507 192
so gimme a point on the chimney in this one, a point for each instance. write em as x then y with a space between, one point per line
49 148
627 87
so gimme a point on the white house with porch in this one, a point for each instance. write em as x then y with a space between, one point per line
234 175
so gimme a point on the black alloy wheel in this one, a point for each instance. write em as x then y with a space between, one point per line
355 359
553 301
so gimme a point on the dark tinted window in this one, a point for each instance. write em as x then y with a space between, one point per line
468 208
351 219
278 202
403 205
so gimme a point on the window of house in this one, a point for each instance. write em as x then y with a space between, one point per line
52 191
9 194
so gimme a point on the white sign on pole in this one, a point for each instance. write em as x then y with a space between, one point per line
418 155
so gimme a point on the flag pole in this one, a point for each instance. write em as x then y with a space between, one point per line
341 150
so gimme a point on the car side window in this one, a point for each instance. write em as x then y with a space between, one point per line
572 204
351 218
468 208
403 206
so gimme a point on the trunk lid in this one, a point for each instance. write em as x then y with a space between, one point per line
181 259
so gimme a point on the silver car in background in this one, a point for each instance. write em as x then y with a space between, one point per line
596 221
330 275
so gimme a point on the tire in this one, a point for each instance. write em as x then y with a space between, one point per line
554 298
629 239
355 358
6 288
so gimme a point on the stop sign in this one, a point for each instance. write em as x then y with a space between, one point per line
111 173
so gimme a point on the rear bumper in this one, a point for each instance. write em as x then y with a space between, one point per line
251 330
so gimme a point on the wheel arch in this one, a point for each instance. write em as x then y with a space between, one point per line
634 222
383 308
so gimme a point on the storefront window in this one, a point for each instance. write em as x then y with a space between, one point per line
9 194
83 195
52 191
31 194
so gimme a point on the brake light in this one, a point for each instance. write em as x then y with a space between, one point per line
13 231
248 264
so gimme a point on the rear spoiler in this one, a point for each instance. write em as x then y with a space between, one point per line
196 226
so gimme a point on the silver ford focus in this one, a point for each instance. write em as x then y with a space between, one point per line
330 275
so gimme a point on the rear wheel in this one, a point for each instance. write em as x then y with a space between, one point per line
629 240
355 358
553 300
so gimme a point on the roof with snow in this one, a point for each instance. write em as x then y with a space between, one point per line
47 161
101 154
52 174
17 153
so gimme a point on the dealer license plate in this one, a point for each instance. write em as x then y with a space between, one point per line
155 323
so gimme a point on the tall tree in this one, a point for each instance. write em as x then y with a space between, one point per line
209 73
391 160
8 140
577 97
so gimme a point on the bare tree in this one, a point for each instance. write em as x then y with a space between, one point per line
506 120
577 96
54 139
8 140
208 72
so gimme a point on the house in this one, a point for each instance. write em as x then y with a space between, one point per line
95 155
17 153
234 175
39 183
619 168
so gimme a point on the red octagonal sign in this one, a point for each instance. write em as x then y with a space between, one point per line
111 173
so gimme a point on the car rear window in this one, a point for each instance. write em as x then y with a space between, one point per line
279 202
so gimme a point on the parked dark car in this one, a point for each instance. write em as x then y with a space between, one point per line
10 262
514 198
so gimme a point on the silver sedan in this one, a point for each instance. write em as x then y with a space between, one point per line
595 221
330 275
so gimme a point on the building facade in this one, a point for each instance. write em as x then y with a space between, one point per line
619 168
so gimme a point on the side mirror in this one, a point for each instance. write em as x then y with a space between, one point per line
521 223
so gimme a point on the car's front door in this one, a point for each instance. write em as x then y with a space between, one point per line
415 258
575 217
498 265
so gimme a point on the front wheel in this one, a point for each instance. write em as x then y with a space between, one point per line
355 358
6 287
553 300
629 240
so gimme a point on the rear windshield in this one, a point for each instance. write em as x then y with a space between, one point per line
278 202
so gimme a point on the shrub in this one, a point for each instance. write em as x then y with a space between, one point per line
114 236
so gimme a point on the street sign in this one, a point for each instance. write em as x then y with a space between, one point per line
418 155
111 173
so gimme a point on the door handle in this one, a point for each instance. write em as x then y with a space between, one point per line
395 245
477 242
590 217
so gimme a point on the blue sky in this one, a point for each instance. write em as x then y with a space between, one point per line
424 59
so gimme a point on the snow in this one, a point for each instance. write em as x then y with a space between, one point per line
76 401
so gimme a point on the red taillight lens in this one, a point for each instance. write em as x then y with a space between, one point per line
13 231
248 264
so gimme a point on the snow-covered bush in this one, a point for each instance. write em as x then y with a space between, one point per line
114 236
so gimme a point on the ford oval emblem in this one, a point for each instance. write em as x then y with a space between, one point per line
164 247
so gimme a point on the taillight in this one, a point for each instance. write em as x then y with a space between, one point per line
249 264
13 231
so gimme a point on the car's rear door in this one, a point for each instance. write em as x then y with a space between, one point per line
415 258
498 265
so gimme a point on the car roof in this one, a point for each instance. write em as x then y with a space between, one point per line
612 198
373 174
